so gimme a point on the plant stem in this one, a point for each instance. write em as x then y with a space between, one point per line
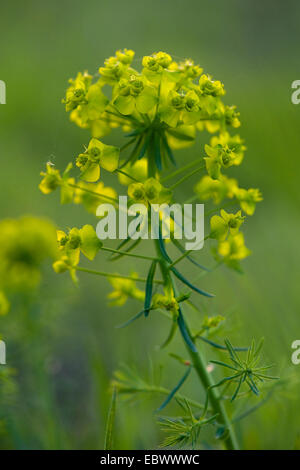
214 398
127 175
199 365
186 253
185 177
126 253
102 196
113 275
181 170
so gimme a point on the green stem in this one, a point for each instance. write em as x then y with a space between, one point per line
181 170
127 175
126 253
186 253
116 276
199 365
93 192
185 177
127 145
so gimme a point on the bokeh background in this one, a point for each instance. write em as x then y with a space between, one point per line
66 347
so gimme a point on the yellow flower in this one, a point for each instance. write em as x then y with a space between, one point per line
217 190
97 155
151 191
233 249
248 199
124 289
220 226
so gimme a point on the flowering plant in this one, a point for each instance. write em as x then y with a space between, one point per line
160 109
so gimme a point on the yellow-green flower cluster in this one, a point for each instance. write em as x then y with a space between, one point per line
162 104
225 229
151 191
25 244
124 289
73 243
81 192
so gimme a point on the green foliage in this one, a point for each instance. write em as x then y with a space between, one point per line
245 371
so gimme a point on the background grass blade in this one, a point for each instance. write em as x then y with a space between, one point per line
108 443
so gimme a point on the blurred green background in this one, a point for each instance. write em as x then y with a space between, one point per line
66 348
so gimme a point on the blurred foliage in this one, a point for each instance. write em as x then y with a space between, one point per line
61 343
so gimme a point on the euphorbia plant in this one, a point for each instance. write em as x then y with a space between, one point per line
160 109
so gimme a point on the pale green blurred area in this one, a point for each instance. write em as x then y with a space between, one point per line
66 348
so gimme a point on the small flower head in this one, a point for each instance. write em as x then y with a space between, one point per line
71 244
208 87
116 67
219 157
125 56
76 93
233 250
157 61
152 191
97 155
189 69
248 199
124 289
232 116
224 224
136 191
233 143
51 179
217 190
212 322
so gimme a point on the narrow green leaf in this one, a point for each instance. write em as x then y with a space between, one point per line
233 355
182 250
175 390
162 246
170 335
149 288
168 150
108 443
220 363
145 145
189 284
130 248
242 379
157 152
131 320
135 133
217 345
181 136
185 334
